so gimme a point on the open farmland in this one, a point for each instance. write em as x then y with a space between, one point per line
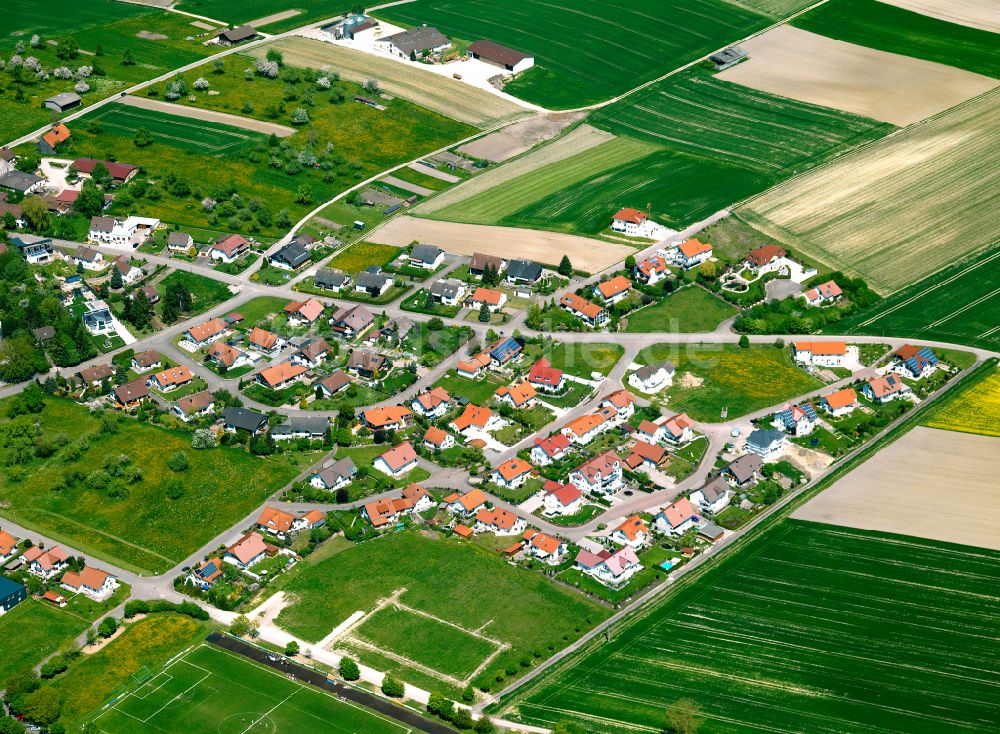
899 490
957 304
885 27
972 13
118 510
246 11
584 53
974 408
768 641
21 18
796 63
900 209
443 578
436 92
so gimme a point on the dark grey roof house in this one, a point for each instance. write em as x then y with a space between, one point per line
307 426
62 101
523 271
241 419
291 256
416 40
331 280
232 36
20 181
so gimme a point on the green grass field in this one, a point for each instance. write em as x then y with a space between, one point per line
958 304
687 310
888 28
133 524
808 628
205 292
257 309
362 255
589 52
446 578
479 392
742 380
32 631
22 19
195 136
212 691
244 12
581 359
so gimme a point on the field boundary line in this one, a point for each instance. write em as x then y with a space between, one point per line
272 709
964 308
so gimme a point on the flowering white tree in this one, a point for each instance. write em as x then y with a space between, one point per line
267 68
62 72
201 84
19 47
82 87
300 116
15 61
323 82
36 41
32 63
84 71
208 204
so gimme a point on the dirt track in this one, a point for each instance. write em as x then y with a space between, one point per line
274 18
196 113
519 137
884 86
931 484
971 13
508 242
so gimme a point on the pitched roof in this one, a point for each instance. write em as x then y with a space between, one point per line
481 260
487 295
470 500
308 310
565 494
248 547
417 39
207 330
7 543
400 456
513 468
497 517
649 452
222 352
195 403
611 288
248 420
745 467
886 385
473 415
828 349
262 338
386 415
841 398
462 531
632 527
694 247
520 393
281 373
425 253
230 244
276 519
335 381
174 376
544 542
763 255
625 214
365 360
679 512
585 423
131 391
600 466
91 578
652 264
340 469
554 444
435 436
56 135
118 171
675 426
581 305
543 373
433 398
495 52
147 358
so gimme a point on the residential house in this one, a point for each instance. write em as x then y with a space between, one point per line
226 356
94 376
630 222
766 443
193 406
544 547
179 242
676 518
277 522
795 420
413 42
613 569
652 378
204 334
481 261
476 419
840 402
546 378
303 313
312 427
336 476
504 352
334 383
171 378
510 60
472 369
438 440
646 456
549 450
130 232
93 583
397 461
885 388
152 295
312 353
714 497
614 290
205 575
89 258
373 283
290 257
388 511
821 354
522 395
13 593
512 473
494 300
120 173
36 251
601 475
8 546
7 160
633 532
248 551
366 363
331 280
426 257
265 341
621 402
692 253
827 292
678 430
523 272
561 499
763 258
229 248
499 522
651 270
745 471
649 431
448 292
146 361
465 504
586 428
913 361
433 403
97 319
589 313
241 419
45 564
50 141
131 394
387 418
349 321
22 182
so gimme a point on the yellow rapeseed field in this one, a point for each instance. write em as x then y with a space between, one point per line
974 409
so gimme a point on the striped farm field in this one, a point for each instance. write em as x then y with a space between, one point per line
588 51
901 208
975 408
808 628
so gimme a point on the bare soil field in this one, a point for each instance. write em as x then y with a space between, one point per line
511 242
884 86
582 138
274 17
438 93
196 113
434 173
519 137
983 14
930 484
407 186
900 209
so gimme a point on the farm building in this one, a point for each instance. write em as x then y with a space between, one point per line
728 57
120 172
62 102
232 36
415 41
506 58
352 28
21 182
48 143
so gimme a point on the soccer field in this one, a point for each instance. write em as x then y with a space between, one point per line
197 136
212 691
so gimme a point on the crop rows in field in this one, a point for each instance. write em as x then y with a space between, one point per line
810 628
975 408
903 207
588 51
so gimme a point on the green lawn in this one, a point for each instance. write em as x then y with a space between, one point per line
258 309
362 255
888 28
586 54
83 606
32 631
210 690
768 640
417 302
688 310
742 380
442 647
479 392
205 292
582 358
133 524
445 578
22 19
